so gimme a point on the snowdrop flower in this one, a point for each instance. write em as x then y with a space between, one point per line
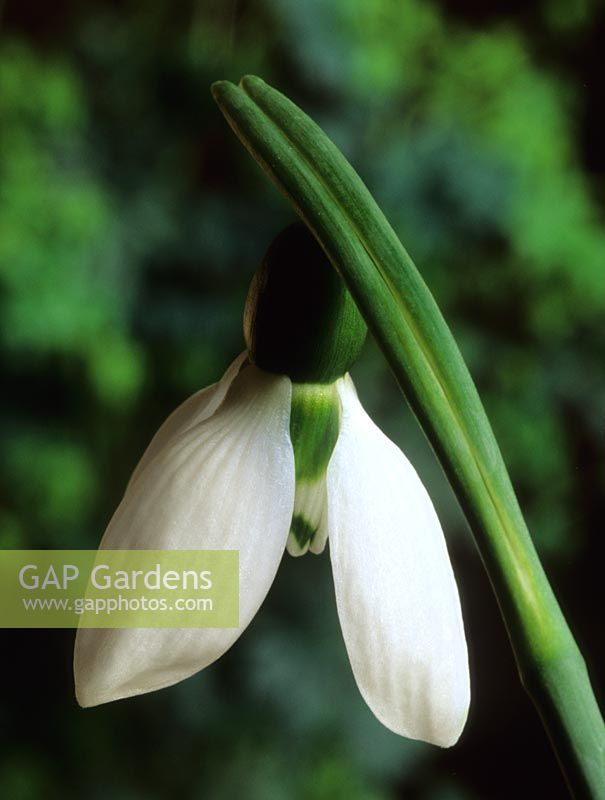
279 454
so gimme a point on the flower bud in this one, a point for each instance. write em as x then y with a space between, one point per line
300 319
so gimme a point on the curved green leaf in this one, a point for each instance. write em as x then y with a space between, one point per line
405 320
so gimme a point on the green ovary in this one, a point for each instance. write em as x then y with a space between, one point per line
300 319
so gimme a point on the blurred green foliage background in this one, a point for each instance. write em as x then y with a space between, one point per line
131 222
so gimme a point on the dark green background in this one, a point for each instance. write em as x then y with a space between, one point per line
131 222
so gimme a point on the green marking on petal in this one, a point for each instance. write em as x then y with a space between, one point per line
314 426
309 529
303 530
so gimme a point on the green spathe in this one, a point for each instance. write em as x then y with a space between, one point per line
300 319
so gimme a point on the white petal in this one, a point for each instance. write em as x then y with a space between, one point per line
226 483
196 408
397 599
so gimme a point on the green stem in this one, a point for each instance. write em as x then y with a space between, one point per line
404 318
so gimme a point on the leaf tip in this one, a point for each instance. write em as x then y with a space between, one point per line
251 82
219 89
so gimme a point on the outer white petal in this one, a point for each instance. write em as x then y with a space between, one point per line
225 483
196 408
397 599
